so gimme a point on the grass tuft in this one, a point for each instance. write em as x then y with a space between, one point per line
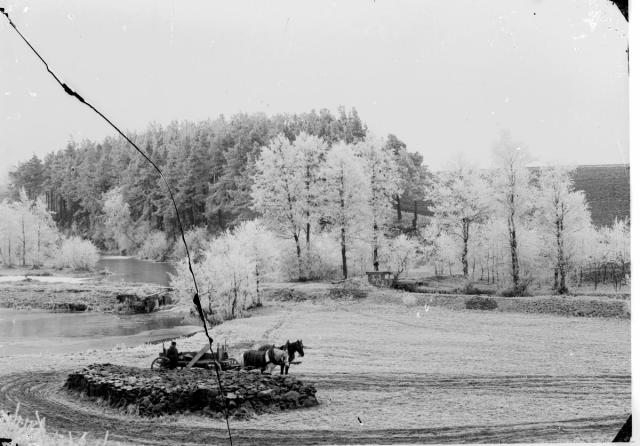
25 432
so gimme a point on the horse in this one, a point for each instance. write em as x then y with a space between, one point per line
264 359
291 348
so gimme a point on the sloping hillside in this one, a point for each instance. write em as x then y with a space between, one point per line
606 188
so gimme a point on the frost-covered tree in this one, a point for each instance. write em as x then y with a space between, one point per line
345 197
25 222
8 233
260 247
278 191
119 227
439 247
155 247
310 151
28 234
45 232
491 251
383 184
615 250
513 194
196 239
460 204
563 214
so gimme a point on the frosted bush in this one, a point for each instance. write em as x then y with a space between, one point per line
323 260
196 241
78 254
400 254
182 282
155 247
232 274
289 265
320 262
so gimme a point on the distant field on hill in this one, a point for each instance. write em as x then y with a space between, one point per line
606 188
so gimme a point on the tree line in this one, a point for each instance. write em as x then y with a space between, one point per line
333 190
94 189
328 211
513 224
518 225
29 237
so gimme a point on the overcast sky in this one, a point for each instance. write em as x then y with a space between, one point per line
444 76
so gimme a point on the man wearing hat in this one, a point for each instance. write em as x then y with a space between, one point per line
172 354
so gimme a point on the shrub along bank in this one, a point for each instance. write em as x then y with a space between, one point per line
565 306
579 306
157 392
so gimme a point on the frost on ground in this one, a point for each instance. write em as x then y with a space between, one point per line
383 374
26 432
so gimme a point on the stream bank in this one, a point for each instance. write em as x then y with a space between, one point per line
78 297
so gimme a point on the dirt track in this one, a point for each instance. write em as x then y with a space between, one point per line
43 392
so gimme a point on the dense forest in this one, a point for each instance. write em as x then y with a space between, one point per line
209 165
311 196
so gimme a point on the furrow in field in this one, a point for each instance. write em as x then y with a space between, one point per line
43 392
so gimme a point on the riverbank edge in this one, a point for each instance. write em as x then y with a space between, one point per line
126 298
135 298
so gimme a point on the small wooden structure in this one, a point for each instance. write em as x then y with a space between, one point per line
380 278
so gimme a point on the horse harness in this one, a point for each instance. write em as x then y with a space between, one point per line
270 357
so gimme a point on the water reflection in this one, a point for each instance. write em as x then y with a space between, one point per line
35 331
38 331
128 269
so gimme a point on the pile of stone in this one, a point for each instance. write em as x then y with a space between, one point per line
158 392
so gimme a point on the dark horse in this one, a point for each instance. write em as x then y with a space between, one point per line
265 359
291 348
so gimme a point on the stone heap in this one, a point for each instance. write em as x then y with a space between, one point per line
158 392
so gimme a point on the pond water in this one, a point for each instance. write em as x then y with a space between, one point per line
25 332
129 269
32 332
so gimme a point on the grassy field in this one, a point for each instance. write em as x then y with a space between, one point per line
385 373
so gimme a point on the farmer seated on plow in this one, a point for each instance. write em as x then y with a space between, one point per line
172 354
264 360
291 348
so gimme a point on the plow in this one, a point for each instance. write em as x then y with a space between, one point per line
200 359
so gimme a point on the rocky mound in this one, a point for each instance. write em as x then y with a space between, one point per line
154 393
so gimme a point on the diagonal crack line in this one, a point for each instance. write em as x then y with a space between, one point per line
196 298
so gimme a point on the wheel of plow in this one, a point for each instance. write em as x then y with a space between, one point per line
159 363
230 363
